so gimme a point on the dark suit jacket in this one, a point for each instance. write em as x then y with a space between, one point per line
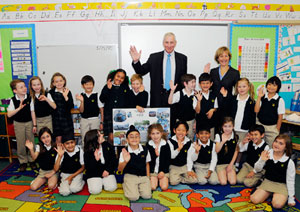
154 65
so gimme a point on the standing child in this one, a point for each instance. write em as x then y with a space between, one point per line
114 95
160 157
44 154
227 149
41 105
204 155
180 144
270 108
134 162
184 110
138 97
90 107
207 104
253 144
70 161
61 117
280 174
19 111
100 163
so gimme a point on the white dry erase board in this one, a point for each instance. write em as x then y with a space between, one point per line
76 61
198 42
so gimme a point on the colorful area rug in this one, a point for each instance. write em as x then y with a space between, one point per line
15 195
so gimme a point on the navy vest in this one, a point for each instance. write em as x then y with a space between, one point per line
268 114
276 172
69 164
181 158
42 108
185 109
91 107
254 154
46 159
24 115
137 163
164 158
226 157
205 154
206 105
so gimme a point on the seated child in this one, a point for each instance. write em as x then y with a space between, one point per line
180 145
44 154
100 163
69 160
253 144
134 162
137 97
204 156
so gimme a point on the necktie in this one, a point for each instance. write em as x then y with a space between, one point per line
168 73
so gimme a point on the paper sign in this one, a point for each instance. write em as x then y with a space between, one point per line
286 53
285 76
286 88
294 60
295 68
285 41
20 33
297 49
282 67
295 80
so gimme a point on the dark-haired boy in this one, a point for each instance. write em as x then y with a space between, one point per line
253 144
89 107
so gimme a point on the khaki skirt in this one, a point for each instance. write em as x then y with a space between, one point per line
274 187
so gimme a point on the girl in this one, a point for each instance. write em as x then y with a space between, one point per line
45 153
61 117
134 162
41 105
113 95
100 162
227 149
160 157
280 174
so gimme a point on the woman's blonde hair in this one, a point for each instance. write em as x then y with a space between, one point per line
251 87
220 51
57 74
31 91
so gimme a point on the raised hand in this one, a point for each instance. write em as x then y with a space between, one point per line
142 88
197 147
172 86
206 68
29 144
109 84
21 104
261 92
135 55
223 91
79 97
180 145
65 93
42 98
199 95
60 149
246 138
97 154
126 155
265 155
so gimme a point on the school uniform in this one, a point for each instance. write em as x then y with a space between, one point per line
23 127
268 115
94 169
61 117
160 163
204 161
253 154
42 112
136 183
178 167
90 115
70 163
183 105
280 175
224 158
209 101
137 99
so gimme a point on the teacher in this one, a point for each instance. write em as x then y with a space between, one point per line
163 66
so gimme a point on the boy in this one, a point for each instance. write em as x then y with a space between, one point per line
204 155
89 107
137 97
19 110
70 161
185 101
206 105
253 144
270 108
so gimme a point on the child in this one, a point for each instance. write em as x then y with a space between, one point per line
100 163
90 106
134 162
204 155
185 98
41 105
44 154
253 144
138 97
227 149
114 95
280 174
70 161
206 106
160 157
61 117
19 111
270 108
180 145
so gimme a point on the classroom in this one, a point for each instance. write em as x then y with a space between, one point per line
75 38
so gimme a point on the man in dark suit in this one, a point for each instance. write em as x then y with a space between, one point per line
158 65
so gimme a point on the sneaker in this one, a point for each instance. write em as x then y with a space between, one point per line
23 167
32 165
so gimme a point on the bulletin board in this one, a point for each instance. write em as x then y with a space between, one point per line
254 51
17 55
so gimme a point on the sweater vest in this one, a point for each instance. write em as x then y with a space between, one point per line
42 108
69 164
91 107
137 163
254 154
181 158
46 159
226 157
206 105
268 114
276 172
24 115
205 154
164 158
185 110
249 114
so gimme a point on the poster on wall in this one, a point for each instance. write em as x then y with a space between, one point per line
123 118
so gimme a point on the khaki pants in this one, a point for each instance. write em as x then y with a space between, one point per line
23 131
178 174
44 122
87 125
136 186
270 133
249 182
95 184
76 185
201 171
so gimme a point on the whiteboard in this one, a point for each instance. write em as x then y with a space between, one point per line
198 42
76 61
